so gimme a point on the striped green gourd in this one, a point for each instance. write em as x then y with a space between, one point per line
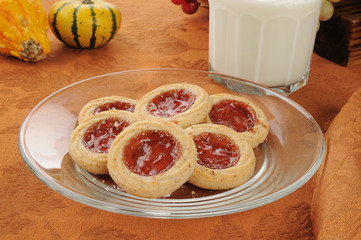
84 24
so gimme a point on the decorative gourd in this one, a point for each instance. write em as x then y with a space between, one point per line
23 29
84 24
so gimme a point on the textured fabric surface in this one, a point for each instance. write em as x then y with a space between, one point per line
154 34
337 195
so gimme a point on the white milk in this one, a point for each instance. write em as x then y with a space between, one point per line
269 42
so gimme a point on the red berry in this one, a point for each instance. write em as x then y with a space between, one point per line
190 7
179 2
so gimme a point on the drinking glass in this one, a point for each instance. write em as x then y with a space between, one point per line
269 42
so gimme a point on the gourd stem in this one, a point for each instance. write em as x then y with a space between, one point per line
87 2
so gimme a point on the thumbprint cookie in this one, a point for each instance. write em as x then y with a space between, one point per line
152 158
105 104
181 103
90 140
224 160
239 114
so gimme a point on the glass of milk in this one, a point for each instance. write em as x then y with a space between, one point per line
269 42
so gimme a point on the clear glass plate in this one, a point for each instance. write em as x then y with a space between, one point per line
291 154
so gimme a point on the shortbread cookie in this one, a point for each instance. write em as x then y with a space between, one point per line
224 160
182 103
90 141
241 115
152 158
105 104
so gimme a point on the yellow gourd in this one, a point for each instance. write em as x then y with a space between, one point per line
23 29
84 24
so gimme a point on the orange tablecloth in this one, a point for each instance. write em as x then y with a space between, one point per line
153 34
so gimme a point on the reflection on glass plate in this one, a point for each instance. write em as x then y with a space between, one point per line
291 154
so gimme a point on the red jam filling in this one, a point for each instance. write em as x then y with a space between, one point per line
117 105
99 136
234 114
171 103
216 151
151 152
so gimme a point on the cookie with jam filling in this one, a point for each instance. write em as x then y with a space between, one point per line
239 114
105 104
152 158
181 103
90 140
224 160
